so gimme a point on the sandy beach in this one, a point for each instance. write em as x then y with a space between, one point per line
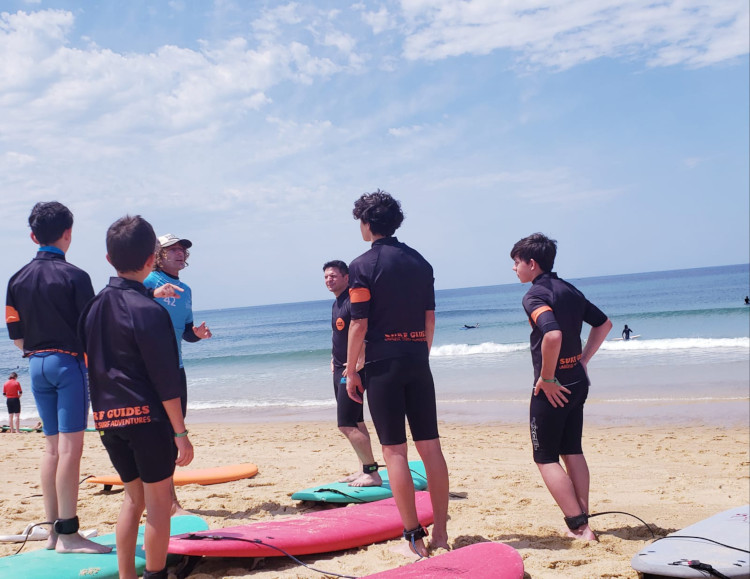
670 476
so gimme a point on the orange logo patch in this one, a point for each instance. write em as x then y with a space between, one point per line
340 324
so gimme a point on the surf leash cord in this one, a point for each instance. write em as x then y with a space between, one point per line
194 537
698 566
650 530
28 534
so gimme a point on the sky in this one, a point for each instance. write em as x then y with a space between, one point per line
619 128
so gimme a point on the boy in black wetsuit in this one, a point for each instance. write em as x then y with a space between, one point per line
556 313
391 288
135 388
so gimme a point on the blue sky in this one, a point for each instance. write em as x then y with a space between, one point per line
620 128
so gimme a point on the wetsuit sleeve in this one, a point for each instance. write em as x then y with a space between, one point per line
84 291
12 317
188 334
158 349
593 316
359 292
540 313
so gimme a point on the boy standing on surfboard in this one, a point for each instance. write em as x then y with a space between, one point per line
391 288
556 313
135 393
349 414
43 303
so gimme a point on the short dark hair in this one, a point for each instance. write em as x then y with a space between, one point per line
130 242
49 220
380 211
538 247
338 264
13 376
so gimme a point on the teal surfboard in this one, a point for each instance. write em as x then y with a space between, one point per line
338 492
44 564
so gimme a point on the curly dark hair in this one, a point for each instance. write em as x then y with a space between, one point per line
380 211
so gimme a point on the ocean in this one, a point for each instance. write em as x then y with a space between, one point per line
690 363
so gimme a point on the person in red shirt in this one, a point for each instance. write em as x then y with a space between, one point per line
12 392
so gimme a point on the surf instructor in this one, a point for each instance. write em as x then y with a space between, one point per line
391 288
349 414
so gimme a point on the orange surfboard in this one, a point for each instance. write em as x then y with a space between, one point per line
201 476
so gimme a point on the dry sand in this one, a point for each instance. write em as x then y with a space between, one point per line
670 476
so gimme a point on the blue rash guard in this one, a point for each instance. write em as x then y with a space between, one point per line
180 309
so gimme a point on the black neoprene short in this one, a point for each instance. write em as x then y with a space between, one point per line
348 412
399 388
145 451
557 431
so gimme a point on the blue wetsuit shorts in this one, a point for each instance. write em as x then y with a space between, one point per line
557 431
59 383
145 451
348 412
397 389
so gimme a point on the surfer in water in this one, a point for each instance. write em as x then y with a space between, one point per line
468 327
349 414
392 293
626 333
556 312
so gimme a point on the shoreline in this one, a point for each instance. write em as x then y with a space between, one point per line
669 475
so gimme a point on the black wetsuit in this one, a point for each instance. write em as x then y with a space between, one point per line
348 412
553 304
392 286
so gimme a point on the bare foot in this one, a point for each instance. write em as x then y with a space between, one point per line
405 550
367 480
74 543
350 478
177 510
582 533
438 543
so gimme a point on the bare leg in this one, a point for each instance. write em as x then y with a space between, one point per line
126 531
402 485
176 506
158 511
359 438
18 422
70 449
48 471
439 487
561 487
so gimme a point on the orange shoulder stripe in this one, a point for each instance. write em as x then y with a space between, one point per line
539 311
11 315
358 295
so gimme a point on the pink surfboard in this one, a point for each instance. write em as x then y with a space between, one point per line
478 561
316 532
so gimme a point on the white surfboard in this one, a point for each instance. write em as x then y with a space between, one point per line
633 337
721 541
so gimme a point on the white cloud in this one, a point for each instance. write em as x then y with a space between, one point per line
561 35
404 131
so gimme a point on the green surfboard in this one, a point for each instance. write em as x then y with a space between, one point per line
338 492
44 564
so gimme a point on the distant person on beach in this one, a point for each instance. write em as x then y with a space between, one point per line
626 333
171 259
556 313
391 288
12 392
349 414
136 394
43 303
